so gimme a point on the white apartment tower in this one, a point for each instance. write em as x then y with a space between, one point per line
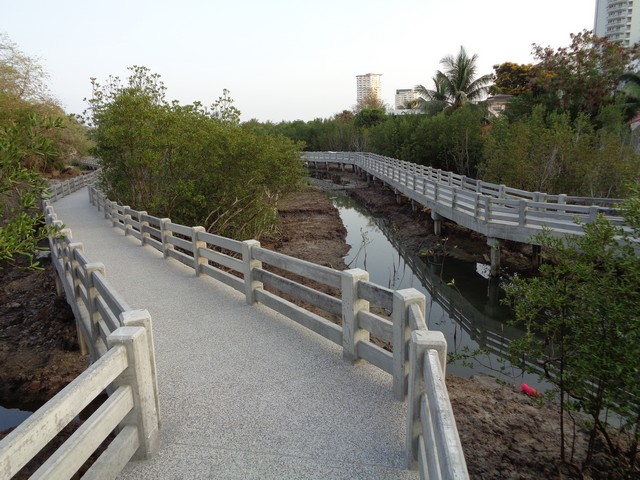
366 85
618 20
405 96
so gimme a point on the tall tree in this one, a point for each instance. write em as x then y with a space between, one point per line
196 165
583 77
458 83
581 319
512 79
436 99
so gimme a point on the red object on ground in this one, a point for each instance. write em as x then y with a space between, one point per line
532 392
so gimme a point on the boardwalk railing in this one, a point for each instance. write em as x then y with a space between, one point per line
365 309
120 342
433 444
495 211
57 190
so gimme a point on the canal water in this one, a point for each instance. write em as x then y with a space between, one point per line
10 417
462 301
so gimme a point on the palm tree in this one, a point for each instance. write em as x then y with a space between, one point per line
458 84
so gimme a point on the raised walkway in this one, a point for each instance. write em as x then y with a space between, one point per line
244 392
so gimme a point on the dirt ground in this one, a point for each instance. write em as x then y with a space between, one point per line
505 434
38 345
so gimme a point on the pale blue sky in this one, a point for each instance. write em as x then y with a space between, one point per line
281 59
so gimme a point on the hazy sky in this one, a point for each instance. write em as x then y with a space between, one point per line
281 59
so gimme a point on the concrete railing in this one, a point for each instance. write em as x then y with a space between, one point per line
496 211
364 308
57 190
433 444
120 341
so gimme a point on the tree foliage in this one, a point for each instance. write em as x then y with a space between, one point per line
550 152
22 188
512 79
193 164
583 76
581 318
35 137
24 93
459 83
371 101
448 141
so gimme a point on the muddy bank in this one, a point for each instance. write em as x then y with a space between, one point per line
38 345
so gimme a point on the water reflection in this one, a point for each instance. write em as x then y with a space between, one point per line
462 301
10 417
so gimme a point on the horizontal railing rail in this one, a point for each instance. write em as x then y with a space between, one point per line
120 342
496 211
274 279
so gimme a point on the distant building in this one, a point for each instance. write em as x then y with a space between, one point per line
496 104
367 85
404 97
618 20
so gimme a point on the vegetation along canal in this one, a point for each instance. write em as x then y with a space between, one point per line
462 301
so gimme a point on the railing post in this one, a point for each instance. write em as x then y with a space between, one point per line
126 219
248 267
143 225
402 334
197 245
142 318
476 201
351 305
138 376
92 294
107 206
113 212
522 212
73 265
164 233
420 342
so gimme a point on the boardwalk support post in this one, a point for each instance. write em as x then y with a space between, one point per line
494 244
437 223
536 257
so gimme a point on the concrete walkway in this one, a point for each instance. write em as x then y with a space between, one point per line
244 392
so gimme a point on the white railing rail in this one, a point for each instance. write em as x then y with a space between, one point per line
120 341
496 211
270 278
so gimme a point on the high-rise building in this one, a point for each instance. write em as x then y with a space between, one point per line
366 85
404 97
618 20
